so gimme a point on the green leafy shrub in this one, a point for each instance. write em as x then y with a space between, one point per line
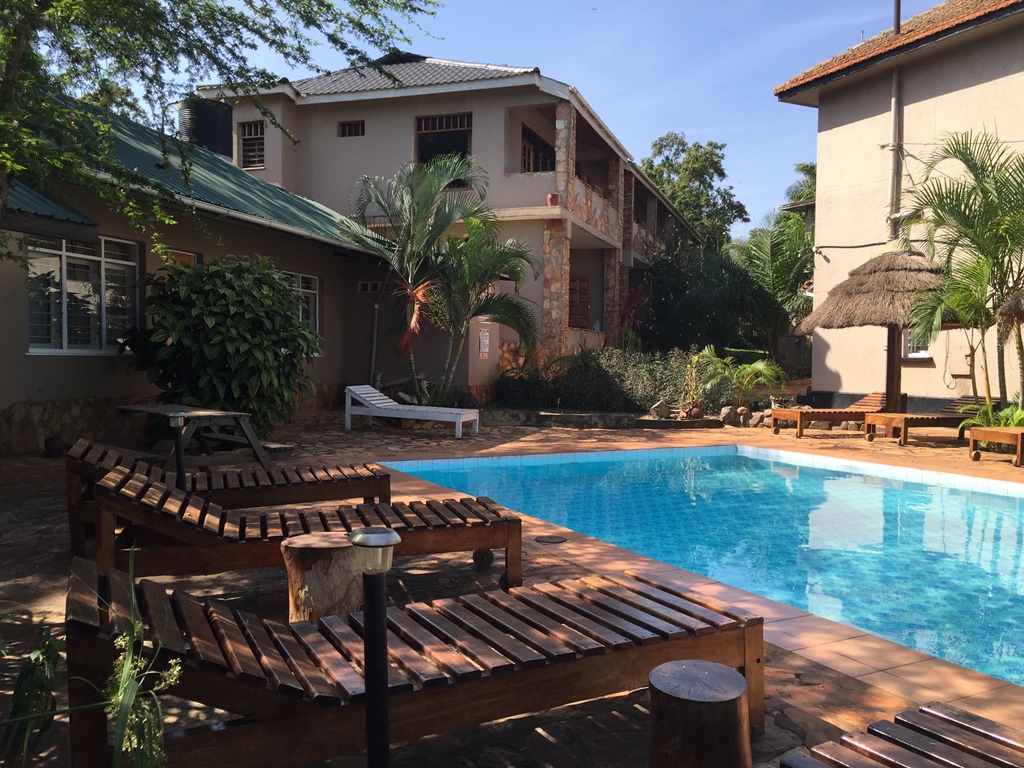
226 335
611 380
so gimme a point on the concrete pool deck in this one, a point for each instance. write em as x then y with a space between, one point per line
822 678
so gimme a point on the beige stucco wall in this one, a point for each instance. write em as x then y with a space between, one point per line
973 87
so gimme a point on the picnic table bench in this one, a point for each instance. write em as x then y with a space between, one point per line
169 532
88 462
294 693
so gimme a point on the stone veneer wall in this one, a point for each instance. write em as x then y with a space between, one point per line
554 317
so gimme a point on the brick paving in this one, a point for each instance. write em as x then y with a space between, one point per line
815 688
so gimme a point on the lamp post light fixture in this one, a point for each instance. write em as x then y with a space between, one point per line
177 421
374 548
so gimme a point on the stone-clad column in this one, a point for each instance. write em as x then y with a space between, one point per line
554 310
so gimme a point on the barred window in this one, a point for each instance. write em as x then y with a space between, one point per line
438 135
251 137
351 128
538 155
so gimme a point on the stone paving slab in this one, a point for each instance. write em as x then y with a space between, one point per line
828 687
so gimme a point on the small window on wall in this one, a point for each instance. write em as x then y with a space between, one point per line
251 143
308 288
914 347
82 296
538 155
181 258
443 135
351 128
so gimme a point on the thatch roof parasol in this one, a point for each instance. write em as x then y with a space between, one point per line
881 291
1012 309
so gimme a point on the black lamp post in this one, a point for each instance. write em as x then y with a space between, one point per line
374 548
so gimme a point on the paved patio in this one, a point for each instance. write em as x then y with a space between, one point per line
821 678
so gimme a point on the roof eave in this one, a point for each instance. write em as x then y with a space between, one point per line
806 94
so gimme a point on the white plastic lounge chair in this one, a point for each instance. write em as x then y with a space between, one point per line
370 402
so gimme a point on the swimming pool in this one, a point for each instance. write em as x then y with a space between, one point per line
927 559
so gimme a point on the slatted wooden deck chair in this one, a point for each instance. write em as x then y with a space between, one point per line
171 532
854 412
367 401
898 425
87 462
934 735
295 692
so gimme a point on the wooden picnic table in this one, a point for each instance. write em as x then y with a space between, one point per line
204 425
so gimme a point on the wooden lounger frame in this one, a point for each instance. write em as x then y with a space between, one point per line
898 425
855 412
171 532
88 462
297 691
935 735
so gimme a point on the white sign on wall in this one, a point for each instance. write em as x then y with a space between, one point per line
485 343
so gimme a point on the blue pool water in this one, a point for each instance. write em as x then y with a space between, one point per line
927 564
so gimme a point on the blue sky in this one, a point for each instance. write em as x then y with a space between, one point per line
647 67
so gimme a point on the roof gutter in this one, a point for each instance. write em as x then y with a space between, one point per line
903 50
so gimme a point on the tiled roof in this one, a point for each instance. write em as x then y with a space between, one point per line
914 31
218 182
409 71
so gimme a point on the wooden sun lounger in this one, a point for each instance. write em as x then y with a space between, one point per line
296 691
934 735
367 401
898 424
804 416
88 462
171 532
1003 435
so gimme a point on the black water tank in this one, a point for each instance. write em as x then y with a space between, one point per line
207 123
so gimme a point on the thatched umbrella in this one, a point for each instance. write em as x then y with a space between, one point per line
882 291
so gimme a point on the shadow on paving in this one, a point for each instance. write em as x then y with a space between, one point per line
807 703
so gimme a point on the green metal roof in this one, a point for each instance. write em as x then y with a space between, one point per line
28 200
217 182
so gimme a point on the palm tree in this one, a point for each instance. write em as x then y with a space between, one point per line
464 289
779 257
418 206
977 214
741 378
965 295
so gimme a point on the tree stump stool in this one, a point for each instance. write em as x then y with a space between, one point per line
699 716
322 576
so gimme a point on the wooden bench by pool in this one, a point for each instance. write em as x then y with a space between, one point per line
294 693
171 532
898 425
87 462
934 735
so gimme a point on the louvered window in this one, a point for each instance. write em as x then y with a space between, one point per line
251 137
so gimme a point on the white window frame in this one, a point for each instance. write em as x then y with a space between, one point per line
79 251
313 320
914 349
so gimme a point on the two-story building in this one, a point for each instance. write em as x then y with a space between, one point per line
559 180
883 106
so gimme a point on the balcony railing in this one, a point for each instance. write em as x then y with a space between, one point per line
590 204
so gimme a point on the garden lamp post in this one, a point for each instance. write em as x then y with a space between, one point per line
177 421
374 548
